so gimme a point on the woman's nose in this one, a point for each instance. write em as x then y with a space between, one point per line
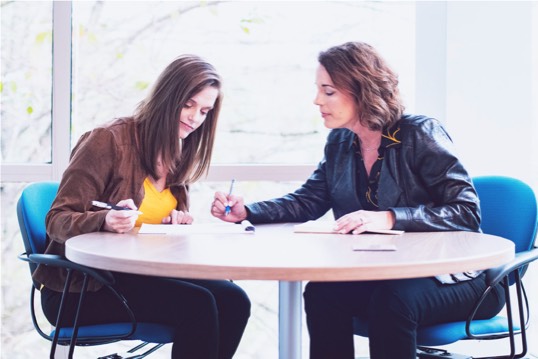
316 100
191 116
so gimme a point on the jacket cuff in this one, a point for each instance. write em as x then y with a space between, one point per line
401 216
255 213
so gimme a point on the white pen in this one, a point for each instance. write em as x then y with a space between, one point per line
112 206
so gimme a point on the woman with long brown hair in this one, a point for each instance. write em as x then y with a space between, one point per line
146 163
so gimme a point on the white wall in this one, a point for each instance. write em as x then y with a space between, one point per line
475 73
490 109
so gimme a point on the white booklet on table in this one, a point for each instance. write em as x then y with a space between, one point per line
365 243
327 227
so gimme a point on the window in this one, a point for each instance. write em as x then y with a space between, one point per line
265 51
26 82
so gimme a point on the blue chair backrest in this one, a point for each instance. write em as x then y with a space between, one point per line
32 207
509 209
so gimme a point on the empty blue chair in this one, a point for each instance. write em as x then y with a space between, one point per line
32 207
509 210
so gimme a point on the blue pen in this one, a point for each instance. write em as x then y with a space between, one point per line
227 210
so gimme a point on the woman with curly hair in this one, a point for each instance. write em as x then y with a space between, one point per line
382 169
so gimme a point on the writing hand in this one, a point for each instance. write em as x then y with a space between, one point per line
121 221
236 204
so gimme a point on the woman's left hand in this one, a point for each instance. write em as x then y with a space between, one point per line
361 221
178 217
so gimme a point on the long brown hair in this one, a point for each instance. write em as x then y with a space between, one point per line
358 69
158 120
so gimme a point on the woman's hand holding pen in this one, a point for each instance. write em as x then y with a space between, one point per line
237 212
121 221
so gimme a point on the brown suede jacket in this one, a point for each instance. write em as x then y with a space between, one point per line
105 166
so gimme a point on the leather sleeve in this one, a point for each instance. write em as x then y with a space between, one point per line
308 202
438 193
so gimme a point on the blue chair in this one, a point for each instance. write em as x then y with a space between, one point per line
509 210
32 207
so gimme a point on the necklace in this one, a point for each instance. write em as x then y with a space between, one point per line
368 149
371 148
365 149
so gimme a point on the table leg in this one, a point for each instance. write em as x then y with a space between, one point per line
289 319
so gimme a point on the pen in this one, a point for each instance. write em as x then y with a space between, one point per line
112 206
248 226
228 209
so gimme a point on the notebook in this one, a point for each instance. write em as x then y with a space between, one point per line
327 227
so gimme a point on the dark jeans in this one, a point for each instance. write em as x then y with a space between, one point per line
393 309
209 315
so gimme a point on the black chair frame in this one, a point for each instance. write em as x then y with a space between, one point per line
508 274
104 277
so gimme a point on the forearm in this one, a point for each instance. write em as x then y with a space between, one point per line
62 225
460 217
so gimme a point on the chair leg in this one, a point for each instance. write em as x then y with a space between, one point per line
75 323
425 352
54 344
151 350
62 352
130 354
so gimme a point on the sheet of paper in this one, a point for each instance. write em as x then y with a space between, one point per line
327 227
196 228
374 247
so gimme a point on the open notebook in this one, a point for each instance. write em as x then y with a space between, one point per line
327 227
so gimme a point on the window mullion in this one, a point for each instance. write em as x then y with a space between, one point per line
61 86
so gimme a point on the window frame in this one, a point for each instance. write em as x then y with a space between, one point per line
432 24
61 120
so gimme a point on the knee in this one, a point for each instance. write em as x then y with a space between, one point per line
234 300
389 305
241 302
194 311
315 296
203 304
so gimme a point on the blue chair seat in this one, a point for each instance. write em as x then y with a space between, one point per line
149 332
448 333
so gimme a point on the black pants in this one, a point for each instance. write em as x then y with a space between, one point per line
393 309
209 315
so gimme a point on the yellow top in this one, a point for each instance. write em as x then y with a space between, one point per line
155 205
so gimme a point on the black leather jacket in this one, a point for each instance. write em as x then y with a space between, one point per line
422 182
